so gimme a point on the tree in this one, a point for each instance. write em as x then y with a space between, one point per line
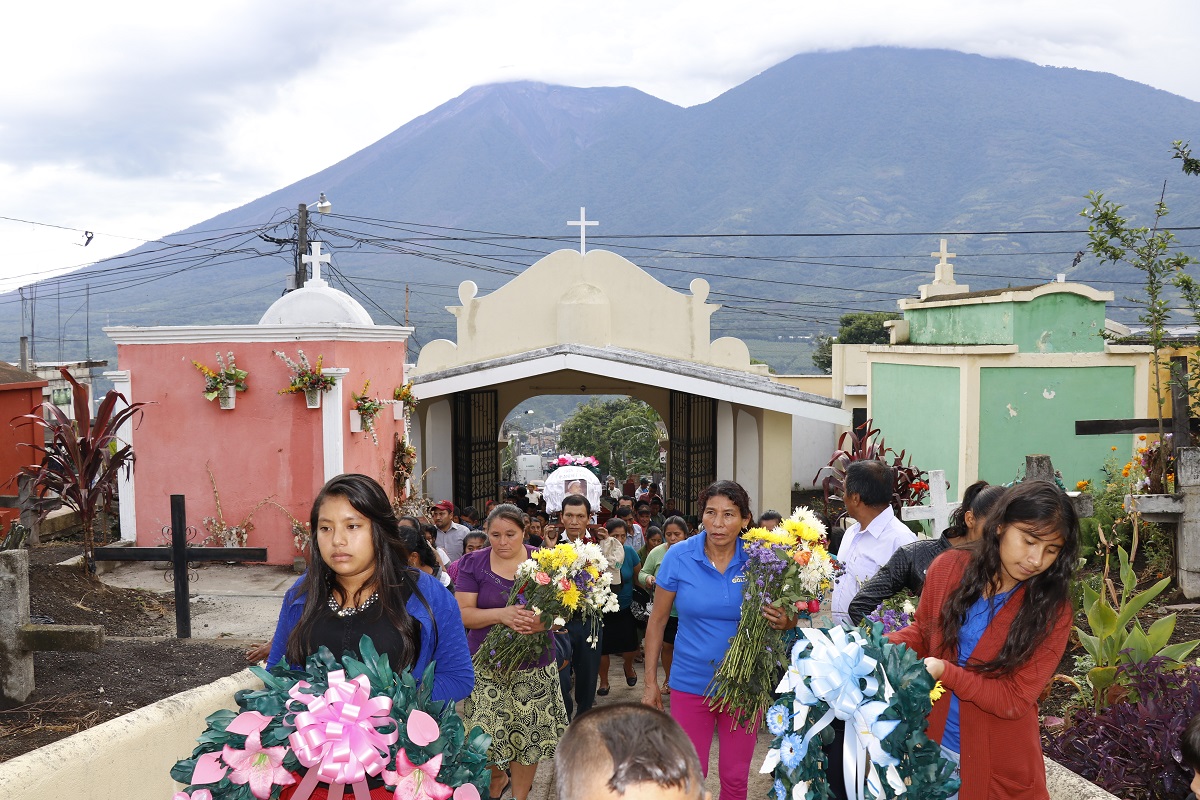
1112 239
82 460
1191 166
822 356
857 327
622 434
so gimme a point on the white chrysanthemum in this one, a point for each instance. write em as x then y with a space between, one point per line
808 517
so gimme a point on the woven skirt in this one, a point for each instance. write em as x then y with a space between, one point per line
522 712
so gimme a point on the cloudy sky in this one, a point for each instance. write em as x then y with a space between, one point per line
134 119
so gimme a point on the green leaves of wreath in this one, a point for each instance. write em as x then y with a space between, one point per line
464 753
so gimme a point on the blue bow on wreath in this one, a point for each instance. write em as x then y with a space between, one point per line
833 668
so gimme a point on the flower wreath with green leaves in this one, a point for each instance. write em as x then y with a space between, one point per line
883 692
347 725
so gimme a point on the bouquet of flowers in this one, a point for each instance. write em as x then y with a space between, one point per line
368 409
306 377
404 394
555 584
224 376
788 568
568 460
356 726
883 692
894 613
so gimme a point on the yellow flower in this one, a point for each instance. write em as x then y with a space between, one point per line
801 530
1114 447
208 373
776 536
570 598
595 573
1141 437
1083 486
937 692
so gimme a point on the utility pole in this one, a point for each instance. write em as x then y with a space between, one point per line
301 244
406 305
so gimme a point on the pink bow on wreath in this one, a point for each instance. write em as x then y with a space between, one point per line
337 737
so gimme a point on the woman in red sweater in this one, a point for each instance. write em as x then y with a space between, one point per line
992 626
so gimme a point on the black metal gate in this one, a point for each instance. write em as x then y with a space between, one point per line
693 433
476 453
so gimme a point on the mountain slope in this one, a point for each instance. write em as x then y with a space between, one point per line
868 141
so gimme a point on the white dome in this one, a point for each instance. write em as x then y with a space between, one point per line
315 304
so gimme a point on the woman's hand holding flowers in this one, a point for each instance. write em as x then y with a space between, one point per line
779 619
522 621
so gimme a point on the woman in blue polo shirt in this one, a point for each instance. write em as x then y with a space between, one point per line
701 578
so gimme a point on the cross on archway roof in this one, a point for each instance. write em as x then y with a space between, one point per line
583 224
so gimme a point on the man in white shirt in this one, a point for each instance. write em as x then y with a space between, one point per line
875 534
450 534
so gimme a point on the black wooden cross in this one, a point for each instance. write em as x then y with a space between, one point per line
1180 424
181 555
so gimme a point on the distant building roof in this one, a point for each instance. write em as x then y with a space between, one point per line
10 374
984 293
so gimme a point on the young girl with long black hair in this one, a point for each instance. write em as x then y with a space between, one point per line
992 626
360 583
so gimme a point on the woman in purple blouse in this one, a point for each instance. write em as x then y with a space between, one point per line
522 712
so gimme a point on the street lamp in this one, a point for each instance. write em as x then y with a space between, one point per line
323 206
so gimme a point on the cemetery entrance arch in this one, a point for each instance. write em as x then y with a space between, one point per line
599 324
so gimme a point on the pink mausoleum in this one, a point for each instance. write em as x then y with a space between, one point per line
269 446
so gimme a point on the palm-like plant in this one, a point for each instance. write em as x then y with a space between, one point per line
865 443
82 459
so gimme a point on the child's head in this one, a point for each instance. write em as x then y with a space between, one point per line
627 751
1030 539
1032 534
361 497
1190 748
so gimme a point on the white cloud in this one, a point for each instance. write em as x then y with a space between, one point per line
141 118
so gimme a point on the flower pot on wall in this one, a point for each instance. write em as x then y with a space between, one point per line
312 398
398 411
356 425
227 398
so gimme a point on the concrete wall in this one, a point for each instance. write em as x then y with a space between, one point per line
813 384
812 446
917 410
1027 410
129 757
1055 321
990 323
1059 323
268 445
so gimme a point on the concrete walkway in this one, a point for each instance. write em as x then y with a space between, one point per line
238 603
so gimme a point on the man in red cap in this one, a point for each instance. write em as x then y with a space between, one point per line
450 534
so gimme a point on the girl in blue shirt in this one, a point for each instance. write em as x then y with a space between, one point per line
360 583
702 578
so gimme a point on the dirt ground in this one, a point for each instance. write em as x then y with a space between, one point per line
141 661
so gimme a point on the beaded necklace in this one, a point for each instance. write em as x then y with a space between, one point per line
350 611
